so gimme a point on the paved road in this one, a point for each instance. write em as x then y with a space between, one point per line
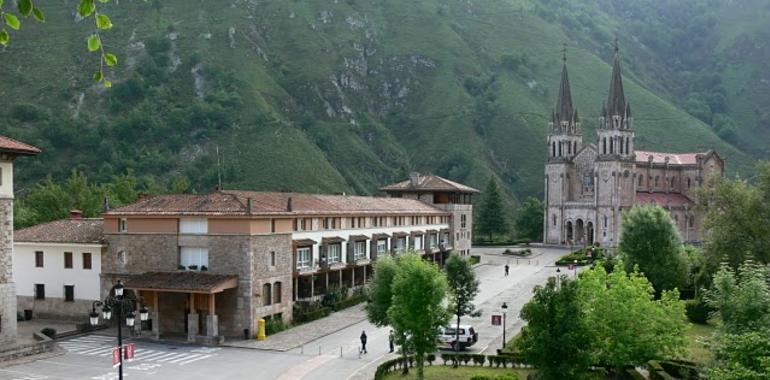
333 357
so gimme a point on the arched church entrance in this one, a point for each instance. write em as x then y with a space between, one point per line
580 231
569 232
590 233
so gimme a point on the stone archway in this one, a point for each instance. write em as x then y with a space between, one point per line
580 232
590 233
569 232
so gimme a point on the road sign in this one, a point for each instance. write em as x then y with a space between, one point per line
130 350
115 357
497 320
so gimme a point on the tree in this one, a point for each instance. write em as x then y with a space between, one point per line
380 291
529 220
736 215
627 325
463 288
556 339
491 220
650 241
418 310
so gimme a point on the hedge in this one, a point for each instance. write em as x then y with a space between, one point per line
348 302
308 316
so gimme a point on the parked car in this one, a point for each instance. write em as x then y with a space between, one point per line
468 336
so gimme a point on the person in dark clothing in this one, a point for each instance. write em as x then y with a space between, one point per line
390 340
363 342
506 269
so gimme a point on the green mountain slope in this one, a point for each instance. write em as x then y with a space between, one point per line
325 96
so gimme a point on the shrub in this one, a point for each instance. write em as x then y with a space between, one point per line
507 376
480 377
274 325
475 259
181 267
479 359
192 267
447 357
430 358
204 268
581 256
698 311
49 332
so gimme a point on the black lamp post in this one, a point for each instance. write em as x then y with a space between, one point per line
558 278
505 311
116 300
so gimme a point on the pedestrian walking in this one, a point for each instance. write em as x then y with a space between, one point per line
506 270
363 341
390 340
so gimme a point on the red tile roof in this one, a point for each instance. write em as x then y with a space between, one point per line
9 145
233 202
673 158
429 183
83 231
663 199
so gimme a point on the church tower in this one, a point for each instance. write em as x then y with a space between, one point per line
615 166
564 140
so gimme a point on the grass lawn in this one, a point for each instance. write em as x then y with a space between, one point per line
698 352
461 373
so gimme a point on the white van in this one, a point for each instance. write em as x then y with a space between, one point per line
468 336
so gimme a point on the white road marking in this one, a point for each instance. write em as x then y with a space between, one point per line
185 358
194 360
175 356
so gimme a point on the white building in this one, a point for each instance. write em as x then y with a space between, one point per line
57 267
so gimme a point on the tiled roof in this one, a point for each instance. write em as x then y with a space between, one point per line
192 281
663 199
673 158
10 145
233 202
429 183
84 231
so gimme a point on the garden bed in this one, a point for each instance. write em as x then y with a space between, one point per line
584 256
462 373
519 252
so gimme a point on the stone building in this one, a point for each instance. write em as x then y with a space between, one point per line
57 266
9 150
589 186
211 265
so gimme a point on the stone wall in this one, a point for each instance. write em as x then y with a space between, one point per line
265 273
7 287
55 308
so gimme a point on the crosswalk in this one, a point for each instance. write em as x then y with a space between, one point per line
97 345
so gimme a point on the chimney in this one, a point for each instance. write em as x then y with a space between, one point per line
414 179
142 196
288 205
76 214
248 205
106 206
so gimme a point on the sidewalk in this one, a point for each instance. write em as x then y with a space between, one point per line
25 329
305 333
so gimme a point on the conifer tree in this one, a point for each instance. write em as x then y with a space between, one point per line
491 220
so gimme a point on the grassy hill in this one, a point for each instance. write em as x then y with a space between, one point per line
335 95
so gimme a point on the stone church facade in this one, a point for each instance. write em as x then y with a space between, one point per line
589 186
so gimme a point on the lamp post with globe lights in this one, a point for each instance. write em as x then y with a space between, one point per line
505 311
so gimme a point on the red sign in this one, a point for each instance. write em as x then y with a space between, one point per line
497 320
130 351
115 357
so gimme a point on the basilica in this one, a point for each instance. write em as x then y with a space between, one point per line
588 186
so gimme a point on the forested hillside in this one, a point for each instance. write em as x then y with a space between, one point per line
348 95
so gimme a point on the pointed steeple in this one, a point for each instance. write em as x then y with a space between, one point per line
564 108
616 101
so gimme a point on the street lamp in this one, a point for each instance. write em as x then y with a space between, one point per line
558 278
116 300
576 268
505 311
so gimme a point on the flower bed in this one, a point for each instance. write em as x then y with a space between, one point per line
583 256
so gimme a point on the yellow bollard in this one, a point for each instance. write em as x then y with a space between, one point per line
261 329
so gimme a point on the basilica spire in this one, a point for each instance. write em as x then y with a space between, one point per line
616 101
564 108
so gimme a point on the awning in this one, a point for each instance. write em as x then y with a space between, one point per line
358 237
181 281
399 234
304 242
431 231
444 230
416 233
332 240
380 236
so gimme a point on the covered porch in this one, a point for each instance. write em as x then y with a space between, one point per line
313 286
183 303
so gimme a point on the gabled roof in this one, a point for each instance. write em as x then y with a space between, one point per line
663 199
75 231
9 145
429 183
673 158
235 203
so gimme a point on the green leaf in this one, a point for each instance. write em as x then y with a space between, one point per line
98 76
25 7
104 1
110 59
94 43
103 22
107 83
4 37
38 14
86 8
1 3
12 21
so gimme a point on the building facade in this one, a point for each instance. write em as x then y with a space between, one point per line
9 150
211 265
589 186
57 267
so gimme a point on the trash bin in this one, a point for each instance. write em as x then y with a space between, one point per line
246 334
27 314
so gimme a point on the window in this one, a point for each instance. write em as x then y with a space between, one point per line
39 259
277 292
303 257
334 253
122 258
605 221
692 221
641 178
553 219
69 293
267 293
123 225
330 223
400 244
462 221
68 260
418 242
433 240
382 246
194 256
688 183
359 250
553 149
272 258
656 180
272 225
39 291
604 145
87 260
195 226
